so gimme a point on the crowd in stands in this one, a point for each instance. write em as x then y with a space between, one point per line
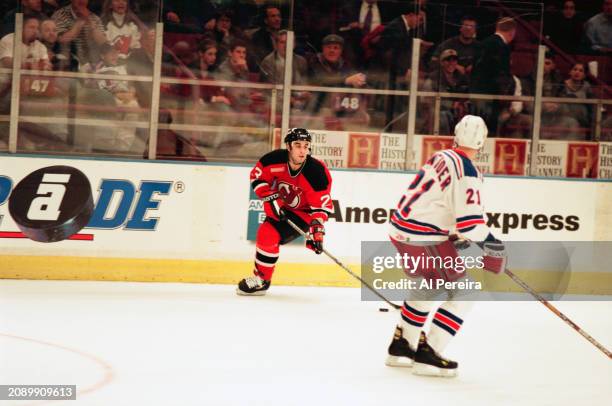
339 43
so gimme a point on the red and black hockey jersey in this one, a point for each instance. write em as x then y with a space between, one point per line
306 190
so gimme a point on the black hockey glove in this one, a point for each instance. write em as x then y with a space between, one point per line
459 243
273 206
315 236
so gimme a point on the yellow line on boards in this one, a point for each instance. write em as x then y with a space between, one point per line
230 272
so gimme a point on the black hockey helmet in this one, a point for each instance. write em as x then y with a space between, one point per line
297 134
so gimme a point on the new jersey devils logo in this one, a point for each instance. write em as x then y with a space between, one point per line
290 194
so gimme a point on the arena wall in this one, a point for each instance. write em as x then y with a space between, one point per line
197 229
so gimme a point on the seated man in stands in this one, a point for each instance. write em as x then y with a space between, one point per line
598 30
465 44
329 69
273 71
225 33
48 37
58 59
236 69
77 26
33 53
33 56
448 79
262 41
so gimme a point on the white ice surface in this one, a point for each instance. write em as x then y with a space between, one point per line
186 344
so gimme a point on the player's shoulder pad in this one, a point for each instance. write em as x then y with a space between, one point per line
315 173
278 156
468 167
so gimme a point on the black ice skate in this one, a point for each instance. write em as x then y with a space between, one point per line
400 353
252 286
428 362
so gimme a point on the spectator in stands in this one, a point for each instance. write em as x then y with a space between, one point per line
598 30
465 44
431 23
328 68
491 73
29 8
449 79
235 68
262 41
78 26
121 27
61 61
122 138
555 123
109 64
207 52
34 54
225 33
189 16
273 65
48 37
552 77
273 71
359 18
577 87
565 29
396 43
363 16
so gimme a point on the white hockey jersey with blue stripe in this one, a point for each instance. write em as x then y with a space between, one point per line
444 198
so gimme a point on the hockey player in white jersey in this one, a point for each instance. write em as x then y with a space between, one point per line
443 201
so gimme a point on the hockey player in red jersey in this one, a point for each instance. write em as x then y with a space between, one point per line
293 185
444 200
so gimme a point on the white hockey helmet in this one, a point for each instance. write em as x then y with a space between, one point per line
471 132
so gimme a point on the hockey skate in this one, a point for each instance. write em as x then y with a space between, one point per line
429 363
252 286
400 353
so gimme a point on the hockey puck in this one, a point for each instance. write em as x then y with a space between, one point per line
52 203
383 309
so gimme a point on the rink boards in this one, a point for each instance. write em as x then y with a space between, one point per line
153 221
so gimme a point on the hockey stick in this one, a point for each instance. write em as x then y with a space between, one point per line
341 265
556 311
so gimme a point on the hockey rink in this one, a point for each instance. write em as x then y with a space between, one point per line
190 344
